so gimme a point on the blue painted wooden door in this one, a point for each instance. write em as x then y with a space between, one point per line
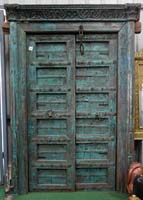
96 112
71 111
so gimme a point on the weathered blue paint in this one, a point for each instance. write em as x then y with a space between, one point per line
125 116
96 92
14 102
51 114
51 68
71 114
22 115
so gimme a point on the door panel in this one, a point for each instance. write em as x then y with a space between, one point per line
72 111
51 112
96 112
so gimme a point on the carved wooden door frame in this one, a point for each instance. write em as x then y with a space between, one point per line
67 19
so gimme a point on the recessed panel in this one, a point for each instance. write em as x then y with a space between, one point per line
56 102
93 126
51 76
51 176
92 77
51 127
92 51
51 51
92 103
92 151
92 175
52 151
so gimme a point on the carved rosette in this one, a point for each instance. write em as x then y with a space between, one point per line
73 12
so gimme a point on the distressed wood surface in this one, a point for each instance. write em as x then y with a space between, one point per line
127 12
125 142
22 106
45 132
95 132
51 115
14 103
71 114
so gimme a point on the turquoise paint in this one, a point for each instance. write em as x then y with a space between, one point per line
50 124
14 100
55 125
86 119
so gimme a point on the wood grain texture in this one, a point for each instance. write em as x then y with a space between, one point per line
125 111
48 120
57 118
128 12
71 114
22 106
91 126
14 102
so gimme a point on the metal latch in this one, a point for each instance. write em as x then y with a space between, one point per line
50 114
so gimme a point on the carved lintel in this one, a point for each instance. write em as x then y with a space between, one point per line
73 12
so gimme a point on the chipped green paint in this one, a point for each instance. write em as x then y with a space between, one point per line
14 101
71 114
77 109
95 112
51 114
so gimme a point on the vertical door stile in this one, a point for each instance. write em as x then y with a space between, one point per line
31 107
113 108
71 107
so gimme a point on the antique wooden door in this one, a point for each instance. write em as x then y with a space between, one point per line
96 112
51 124
71 111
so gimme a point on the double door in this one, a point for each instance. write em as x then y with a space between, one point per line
71 111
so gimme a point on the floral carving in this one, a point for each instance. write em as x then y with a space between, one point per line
69 12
